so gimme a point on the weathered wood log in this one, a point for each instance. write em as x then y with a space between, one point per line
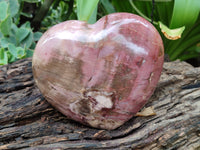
28 121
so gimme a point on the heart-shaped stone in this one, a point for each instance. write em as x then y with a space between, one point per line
99 74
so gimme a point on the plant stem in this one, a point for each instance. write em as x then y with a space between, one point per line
41 14
141 14
153 5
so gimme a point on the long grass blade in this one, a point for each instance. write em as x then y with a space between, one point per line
185 13
122 6
187 44
93 17
188 34
85 8
164 12
108 6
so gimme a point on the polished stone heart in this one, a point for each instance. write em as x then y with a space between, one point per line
100 74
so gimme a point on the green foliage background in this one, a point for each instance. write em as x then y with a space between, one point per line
17 41
21 29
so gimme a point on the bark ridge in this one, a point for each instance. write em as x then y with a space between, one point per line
28 121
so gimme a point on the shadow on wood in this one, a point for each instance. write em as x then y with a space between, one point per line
28 121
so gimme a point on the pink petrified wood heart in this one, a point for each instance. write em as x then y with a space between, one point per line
99 74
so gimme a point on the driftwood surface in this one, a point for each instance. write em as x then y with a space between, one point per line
28 121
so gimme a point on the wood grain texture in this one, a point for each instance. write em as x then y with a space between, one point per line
28 121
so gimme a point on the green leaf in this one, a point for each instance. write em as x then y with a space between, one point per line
11 39
26 15
190 38
172 34
37 36
29 53
3 57
197 48
5 25
12 49
11 58
188 56
122 6
14 28
93 17
21 53
85 9
27 42
108 6
31 1
4 42
32 45
156 0
164 12
3 10
184 46
185 15
21 34
27 24
14 7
